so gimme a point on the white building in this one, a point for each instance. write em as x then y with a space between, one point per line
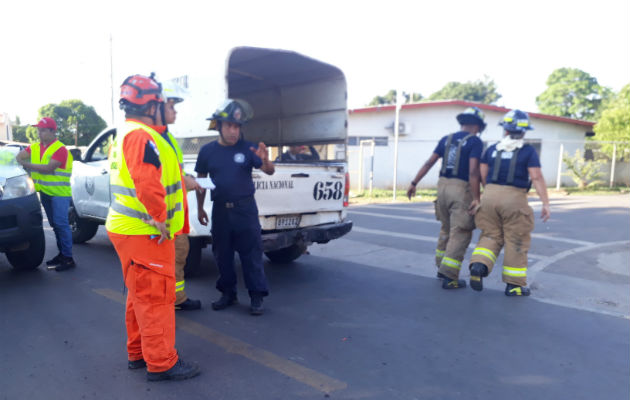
423 124
5 127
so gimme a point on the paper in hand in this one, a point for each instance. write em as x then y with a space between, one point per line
206 183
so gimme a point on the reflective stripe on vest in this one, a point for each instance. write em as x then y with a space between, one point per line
126 211
56 183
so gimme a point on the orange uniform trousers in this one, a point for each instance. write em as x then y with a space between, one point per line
451 209
149 274
505 219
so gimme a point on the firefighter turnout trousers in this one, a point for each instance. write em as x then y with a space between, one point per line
505 219
150 310
451 209
181 253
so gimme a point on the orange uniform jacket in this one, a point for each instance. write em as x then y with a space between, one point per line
146 175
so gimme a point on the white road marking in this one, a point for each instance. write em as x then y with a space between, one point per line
547 261
431 239
417 219
544 236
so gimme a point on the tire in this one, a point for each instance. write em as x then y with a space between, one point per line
286 255
82 229
193 261
31 257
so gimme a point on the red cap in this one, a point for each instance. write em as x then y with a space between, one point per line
47 123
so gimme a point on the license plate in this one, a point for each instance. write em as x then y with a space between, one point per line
288 221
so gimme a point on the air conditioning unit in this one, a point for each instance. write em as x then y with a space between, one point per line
404 128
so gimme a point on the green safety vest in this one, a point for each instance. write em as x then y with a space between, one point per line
56 183
126 212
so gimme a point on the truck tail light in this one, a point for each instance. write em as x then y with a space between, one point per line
346 191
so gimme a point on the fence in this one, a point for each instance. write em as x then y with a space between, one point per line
371 163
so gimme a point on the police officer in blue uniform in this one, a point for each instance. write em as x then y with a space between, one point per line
508 169
235 227
458 193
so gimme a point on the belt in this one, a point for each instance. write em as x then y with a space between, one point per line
235 203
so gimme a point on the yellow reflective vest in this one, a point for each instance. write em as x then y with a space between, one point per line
56 183
178 150
126 212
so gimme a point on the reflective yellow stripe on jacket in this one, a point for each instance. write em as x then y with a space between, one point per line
56 183
126 211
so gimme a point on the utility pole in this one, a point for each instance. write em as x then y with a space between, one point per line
111 74
396 128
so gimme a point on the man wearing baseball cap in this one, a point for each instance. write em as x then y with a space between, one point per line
50 164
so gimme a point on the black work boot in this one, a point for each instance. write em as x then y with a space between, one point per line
137 364
65 264
448 283
515 290
56 260
226 300
256 306
189 305
441 275
178 372
478 271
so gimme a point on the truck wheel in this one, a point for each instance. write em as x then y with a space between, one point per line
31 257
286 255
82 229
193 261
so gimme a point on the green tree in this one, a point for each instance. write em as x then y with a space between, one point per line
572 93
76 121
585 173
390 98
614 124
19 131
480 91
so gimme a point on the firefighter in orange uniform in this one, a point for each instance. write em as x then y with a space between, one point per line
146 213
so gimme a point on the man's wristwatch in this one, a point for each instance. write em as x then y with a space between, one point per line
414 183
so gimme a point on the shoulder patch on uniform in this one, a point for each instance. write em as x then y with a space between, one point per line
154 147
151 155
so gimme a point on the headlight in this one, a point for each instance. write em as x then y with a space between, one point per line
18 186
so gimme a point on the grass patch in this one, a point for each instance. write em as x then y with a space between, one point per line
385 196
591 191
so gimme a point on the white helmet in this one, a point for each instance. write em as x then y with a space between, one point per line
174 91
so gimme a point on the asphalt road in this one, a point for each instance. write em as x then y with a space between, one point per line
362 317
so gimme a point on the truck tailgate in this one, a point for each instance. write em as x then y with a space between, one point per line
300 195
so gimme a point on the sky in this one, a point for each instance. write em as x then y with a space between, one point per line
53 51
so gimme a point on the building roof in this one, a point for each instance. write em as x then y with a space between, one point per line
464 103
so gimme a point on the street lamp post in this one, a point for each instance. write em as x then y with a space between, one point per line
396 131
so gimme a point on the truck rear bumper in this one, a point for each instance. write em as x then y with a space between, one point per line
315 234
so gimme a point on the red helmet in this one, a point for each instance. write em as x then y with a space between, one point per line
140 90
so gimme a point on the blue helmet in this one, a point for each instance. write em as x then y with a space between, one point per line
516 121
472 116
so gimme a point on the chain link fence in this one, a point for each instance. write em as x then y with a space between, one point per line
564 163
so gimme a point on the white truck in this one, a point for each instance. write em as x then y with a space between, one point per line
297 101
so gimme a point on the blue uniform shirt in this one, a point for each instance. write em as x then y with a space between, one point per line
527 157
472 148
230 168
